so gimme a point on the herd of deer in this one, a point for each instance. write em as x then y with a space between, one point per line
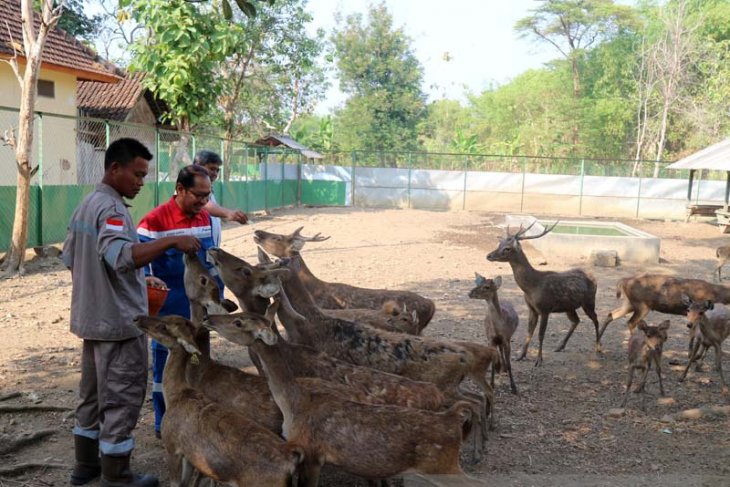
354 384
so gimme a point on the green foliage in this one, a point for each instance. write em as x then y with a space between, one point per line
182 55
443 119
380 72
74 21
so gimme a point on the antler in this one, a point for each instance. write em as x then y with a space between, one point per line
519 235
316 238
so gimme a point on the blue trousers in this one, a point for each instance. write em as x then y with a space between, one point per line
159 357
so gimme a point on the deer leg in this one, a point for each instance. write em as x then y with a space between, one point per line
507 360
639 314
175 468
309 473
628 385
625 309
718 364
692 357
642 384
531 325
590 310
574 320
543 326
658 363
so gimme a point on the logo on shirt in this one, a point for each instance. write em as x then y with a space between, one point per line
114 224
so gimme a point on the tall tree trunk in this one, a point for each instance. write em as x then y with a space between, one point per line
576 98
33 44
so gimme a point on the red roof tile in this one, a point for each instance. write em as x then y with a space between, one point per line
61 50
109 101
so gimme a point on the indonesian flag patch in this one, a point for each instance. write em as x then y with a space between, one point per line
114 224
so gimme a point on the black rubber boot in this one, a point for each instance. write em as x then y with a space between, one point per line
87 466
115 472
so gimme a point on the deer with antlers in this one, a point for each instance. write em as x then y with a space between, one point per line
547 291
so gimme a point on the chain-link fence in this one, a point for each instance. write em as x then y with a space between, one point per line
69 154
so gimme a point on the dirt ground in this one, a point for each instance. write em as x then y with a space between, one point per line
558 431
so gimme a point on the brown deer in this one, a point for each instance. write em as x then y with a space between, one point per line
499 324
444 363
723 255
547 292
645 347
712 324
391 317
332 295
373 442
654 292
219 442
309 362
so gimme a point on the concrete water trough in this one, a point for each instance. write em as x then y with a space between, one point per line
577 239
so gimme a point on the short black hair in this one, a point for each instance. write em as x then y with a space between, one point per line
205 157
186 176
125 150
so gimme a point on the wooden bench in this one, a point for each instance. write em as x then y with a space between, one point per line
702 210
723 220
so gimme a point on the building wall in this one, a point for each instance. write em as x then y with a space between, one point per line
59 155
142 113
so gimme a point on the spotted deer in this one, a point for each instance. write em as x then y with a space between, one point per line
712 325
218 441
645 348
547 292
499 324
655 292
373 442
333 295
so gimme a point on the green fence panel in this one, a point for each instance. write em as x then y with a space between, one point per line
7 213
273 194
59 203
144 202
289 192
323 193
256 195
235 195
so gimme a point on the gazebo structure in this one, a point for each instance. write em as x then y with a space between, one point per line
715 158
275 140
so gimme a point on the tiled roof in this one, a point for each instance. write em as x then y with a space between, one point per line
109 101
276 139
61 50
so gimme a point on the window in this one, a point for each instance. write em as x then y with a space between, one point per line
46 88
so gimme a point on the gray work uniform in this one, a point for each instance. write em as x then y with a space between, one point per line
215 224
107 293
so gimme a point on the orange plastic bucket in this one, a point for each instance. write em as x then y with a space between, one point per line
155 299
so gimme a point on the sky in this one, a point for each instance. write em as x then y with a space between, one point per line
477 35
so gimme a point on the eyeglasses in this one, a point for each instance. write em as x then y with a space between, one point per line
200 196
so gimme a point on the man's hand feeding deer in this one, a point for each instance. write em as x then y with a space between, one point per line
547 291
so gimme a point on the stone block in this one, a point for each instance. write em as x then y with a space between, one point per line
604 258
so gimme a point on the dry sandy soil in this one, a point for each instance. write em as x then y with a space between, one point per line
558 431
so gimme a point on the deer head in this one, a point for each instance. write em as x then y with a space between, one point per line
244 279
244 328
656 335
170 331
510 246
696 309
284 245
485 288
202 288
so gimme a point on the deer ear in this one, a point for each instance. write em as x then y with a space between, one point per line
229 305
709 304
664 325
498 282
297 232
478 279
686 300
415 317
642 325
263 256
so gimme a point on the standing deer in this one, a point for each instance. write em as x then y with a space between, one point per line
712 327
500 323
645 347
723 255
655 292
547 291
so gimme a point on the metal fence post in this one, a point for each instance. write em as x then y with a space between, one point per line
157 166
638 197
266 179
410 167
466 171
352 192
582 176
39 197
106 132
522 191
193 146
299 180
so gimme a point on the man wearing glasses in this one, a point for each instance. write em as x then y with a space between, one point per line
183 214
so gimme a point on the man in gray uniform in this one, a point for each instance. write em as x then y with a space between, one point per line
105 258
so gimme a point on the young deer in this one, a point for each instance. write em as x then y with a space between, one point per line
373 442
332 295
645 347
220 442
444 363
654 292
712 326
391 317
500 323
723 255
310 362
547 292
